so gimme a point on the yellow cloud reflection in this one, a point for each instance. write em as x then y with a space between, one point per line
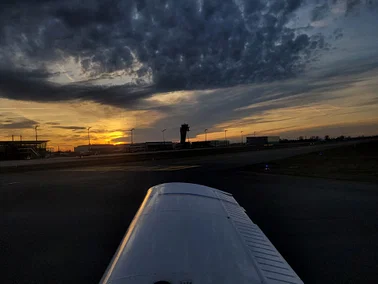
265 109
179 97
287 116
65 123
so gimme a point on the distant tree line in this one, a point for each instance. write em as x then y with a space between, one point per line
326 138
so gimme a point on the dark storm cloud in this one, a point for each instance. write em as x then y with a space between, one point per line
17 123
351 67
26 85
352 6
184 45
320 12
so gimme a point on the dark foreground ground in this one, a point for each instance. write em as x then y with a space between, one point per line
63 226
356 162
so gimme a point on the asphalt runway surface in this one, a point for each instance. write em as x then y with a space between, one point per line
64 226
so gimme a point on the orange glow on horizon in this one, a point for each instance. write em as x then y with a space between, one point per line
65 123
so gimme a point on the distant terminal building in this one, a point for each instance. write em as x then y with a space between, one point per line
219 143
159 146
98 148
135 147
209 144
19 150
128 148
263 140
148 146
201 144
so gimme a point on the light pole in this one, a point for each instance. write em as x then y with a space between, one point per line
206 135
225 135
89 138
132 135
36 132
241 133
163 135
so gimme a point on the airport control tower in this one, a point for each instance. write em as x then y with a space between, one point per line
183 130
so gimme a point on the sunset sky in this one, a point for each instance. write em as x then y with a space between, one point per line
277 67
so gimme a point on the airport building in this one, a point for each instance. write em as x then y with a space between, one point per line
148 146
263 140
219 143
128 148
98 148
211 143
20 150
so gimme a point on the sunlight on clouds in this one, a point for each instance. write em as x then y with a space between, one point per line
347 106
179 97
286 108
55 120
70 69
289 119
302 118
320 24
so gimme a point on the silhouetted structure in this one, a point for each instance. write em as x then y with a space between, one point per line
183 130
209 144
148 146
201 144
263 140
16 150
96 148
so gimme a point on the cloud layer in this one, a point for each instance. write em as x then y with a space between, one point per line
232 63
11 121
180 44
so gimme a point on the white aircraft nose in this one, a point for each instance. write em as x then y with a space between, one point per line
187 233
